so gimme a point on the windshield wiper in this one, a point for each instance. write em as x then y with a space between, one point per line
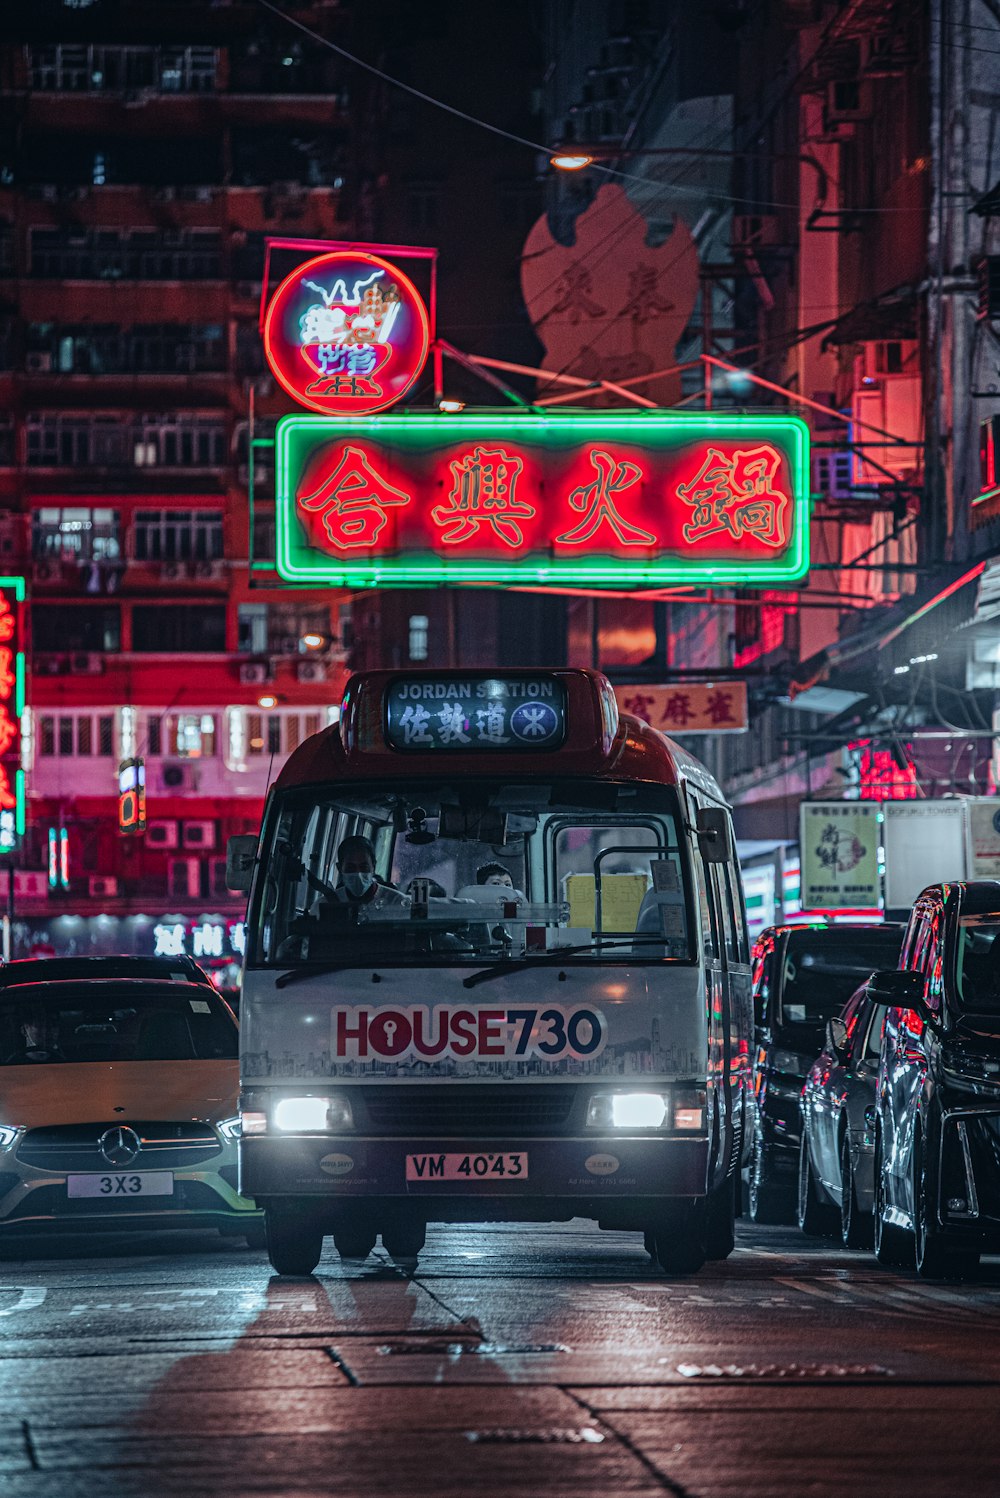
515 964
295 973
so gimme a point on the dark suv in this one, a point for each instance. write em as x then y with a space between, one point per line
802 977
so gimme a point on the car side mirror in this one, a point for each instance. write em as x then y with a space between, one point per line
241 854
712 827
903 990
837 1037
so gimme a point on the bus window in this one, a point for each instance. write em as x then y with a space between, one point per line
507 869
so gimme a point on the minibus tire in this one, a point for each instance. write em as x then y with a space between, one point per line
680 1238
294 1243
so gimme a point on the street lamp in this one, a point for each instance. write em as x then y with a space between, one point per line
569 161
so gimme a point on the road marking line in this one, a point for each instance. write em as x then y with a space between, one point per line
30 1299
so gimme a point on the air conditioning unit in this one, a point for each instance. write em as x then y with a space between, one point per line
312 671
49 665
30 884
177 779
198 834
988 271
86 663
161 834
49 192
38 362
165 194
171 571
254 673
207 571
102 884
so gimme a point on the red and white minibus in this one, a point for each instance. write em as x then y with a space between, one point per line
496 969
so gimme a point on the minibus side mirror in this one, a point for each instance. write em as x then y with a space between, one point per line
712 826
241 853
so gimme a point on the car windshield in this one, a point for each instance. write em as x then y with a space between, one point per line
978 963
466 872
103 1022
823 968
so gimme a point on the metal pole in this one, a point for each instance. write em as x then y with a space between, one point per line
706 336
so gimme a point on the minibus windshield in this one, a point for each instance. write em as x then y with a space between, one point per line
467 872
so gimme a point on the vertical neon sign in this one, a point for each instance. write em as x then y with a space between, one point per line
11 712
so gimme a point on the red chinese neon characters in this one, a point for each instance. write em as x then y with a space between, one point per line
735 496
597 499
352 501
483 492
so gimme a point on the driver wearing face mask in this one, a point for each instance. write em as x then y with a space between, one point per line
358 886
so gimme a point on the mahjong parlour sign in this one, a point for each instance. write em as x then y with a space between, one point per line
346 333
601 500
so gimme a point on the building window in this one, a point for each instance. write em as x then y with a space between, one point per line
191 735
70 735
65 68
189 630
154 736
120 254
419 625
76 627
264 539
75 534
177 535
422 204
251 637
57 439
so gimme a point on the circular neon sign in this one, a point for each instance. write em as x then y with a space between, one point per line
346 334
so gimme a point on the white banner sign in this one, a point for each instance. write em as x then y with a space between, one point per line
840 842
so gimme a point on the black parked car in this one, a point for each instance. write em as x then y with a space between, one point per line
119 965
837 1150
937 1129
802 977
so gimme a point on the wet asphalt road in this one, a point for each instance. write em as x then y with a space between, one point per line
517 1360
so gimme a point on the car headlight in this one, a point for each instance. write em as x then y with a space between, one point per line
310 1115
8 1135
231 1128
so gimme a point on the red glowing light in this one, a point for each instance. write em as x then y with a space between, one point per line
351 501
346 333
737 495
598 502
484 491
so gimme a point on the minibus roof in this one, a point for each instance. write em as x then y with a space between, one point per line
597 741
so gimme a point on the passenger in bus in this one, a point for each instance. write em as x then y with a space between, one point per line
358 885
494 874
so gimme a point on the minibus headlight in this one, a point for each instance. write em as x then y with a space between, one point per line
628 1110
301 1115
252 1123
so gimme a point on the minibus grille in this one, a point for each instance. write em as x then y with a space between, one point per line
469 1111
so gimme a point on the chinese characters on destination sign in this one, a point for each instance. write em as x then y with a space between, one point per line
517 715
614 500
688 707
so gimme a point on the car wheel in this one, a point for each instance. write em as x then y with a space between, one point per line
856 1227
893 1245
294 1242
680 1236
720 1219
770 1200
817 1219
936 1258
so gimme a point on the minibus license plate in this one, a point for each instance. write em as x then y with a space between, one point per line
488 1166
118 1184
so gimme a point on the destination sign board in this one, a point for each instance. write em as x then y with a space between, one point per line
515 714
595 500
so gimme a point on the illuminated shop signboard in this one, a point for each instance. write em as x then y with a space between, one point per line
598 500
11 712
346 333
525 713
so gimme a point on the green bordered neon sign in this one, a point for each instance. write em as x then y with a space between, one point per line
647 500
